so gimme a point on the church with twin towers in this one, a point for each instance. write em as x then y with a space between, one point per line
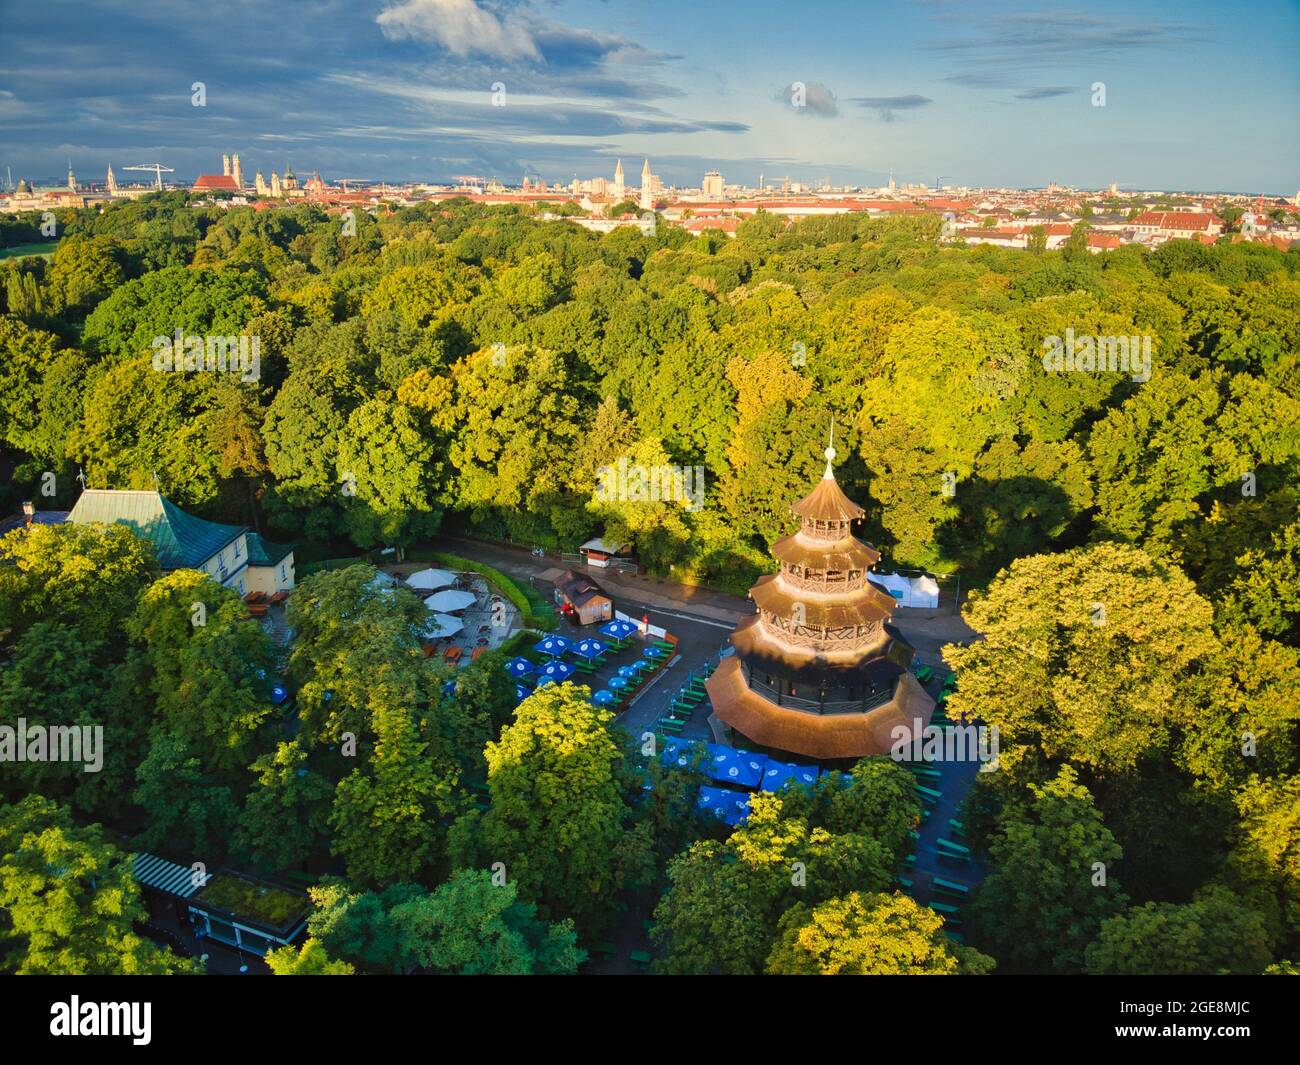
651 187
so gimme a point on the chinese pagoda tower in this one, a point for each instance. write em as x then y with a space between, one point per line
819 671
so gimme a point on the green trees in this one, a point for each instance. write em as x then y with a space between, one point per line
83 270
474 924
1264 862
514 417
558 817
86 576
869 935
458 366
309 960
198 302
725 899
1211 935
1084 656
1053 881
386 813
285 814
70 900
209 664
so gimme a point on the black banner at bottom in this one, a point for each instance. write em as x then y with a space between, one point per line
215 1013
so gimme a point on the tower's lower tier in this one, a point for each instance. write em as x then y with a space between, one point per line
827 736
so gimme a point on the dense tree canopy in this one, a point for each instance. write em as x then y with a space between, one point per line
1132 540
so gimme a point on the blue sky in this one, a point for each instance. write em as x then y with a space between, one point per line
1199 94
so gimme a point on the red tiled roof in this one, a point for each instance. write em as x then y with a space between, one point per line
1192 221
215 183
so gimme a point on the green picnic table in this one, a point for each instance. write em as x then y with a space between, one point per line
951 887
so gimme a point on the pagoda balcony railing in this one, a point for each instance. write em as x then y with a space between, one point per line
861 705
820 582
829 531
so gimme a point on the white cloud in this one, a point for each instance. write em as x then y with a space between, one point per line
460 26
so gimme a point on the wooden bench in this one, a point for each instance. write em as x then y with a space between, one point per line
951 887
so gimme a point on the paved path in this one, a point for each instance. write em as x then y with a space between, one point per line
667 596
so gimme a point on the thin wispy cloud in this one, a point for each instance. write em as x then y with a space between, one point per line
1042 39
1045 92
885 107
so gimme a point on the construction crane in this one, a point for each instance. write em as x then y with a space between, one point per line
158 171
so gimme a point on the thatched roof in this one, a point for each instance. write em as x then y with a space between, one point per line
827 502
817 610
843 555
821 736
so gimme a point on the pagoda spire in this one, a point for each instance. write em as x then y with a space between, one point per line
829 475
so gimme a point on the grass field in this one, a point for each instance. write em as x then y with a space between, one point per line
18 251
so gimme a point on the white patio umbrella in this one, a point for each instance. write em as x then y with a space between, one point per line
430 580
450 600
381 583
437 626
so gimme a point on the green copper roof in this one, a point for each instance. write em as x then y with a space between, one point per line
181 540
261 552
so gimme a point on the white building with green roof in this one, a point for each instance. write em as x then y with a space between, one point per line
233 555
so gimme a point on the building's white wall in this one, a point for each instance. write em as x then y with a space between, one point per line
271 579
228 565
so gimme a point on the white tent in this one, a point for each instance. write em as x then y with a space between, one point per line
450 600
430 580
436 626
925 592
919 592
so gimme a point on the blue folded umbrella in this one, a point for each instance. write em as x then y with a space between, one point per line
778 774
449 687
553 645
729 765
726 805
519 667
677 752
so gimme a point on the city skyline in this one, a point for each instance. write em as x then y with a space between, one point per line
935 92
